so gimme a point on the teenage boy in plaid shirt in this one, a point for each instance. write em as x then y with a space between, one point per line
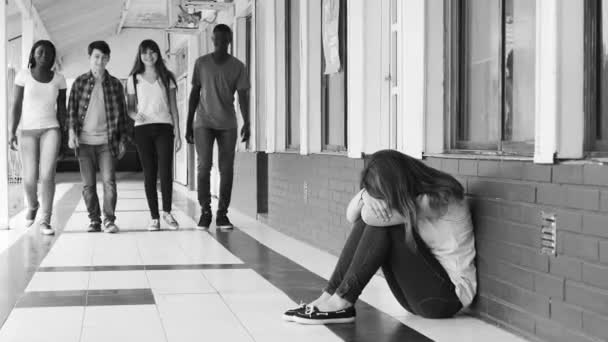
98 133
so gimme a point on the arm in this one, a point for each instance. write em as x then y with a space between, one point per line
244 104
123 128
370 218
353 211
15 116
62 111
195 95
175 118
131 106
73 115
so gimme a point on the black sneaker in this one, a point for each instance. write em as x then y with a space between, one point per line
94 227
222 222
289 314
205 221
312 315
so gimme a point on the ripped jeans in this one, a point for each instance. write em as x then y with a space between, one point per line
417 280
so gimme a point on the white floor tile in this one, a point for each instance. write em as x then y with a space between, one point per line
239 281
122 204
43 325
178 282
106 280
204 317
58 281
203 249
122 324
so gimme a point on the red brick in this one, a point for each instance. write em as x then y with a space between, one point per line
435 163
506 272
467 167
553 332
511 169
568 174
604 201
595 225
548 285
595 175
595 325
587 297
511 232
518 255
566 267
520 192
604 251
510 315
449 166
568 196
527 300
580 246
595 275
489 168
535 172
568 315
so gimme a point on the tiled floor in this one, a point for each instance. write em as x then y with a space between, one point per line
188 285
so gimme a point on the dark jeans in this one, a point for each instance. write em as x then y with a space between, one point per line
90 157
226 143
416 279
155 147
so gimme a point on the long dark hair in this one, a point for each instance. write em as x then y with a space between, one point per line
166 76
399 179
44 43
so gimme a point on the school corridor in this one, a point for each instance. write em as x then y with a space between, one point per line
185 285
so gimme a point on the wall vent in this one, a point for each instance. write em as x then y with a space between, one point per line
548 242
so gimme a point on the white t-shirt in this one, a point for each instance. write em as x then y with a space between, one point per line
39 110
450 238
151 100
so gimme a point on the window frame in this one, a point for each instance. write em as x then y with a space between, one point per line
288 78
455 88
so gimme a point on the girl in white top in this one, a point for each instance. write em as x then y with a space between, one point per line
38 116
151 89
414 223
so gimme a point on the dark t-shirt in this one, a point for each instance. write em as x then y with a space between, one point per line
218 84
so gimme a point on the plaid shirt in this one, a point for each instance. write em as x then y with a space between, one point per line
114 99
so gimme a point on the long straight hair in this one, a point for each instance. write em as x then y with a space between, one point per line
399 179
166 76
44 43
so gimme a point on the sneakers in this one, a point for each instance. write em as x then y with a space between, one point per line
46 229
154 225
205 220
30 217
222 222
170 220
110 227
94 227
290 314
312 315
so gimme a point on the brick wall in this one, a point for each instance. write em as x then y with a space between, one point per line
562 298
250 182
308 196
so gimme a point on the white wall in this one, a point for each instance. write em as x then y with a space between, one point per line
123 47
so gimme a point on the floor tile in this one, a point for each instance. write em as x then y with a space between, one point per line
199 317
238 281
178 282
43 325
122 324
204 249
118 280
58 281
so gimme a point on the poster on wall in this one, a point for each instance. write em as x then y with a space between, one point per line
331 37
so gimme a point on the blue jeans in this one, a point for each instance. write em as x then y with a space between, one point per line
90 157
226 143
416 279
39 149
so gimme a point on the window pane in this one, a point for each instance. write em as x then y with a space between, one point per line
519 75
478 122
293 79
602 118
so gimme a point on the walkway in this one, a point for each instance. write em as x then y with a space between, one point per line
185 285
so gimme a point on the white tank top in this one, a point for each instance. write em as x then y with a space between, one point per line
450 238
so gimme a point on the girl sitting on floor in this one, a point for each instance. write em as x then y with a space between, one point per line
413 222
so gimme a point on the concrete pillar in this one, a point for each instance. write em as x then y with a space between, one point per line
4 205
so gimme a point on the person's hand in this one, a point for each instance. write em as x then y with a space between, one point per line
122 149
140 117
72 140
178 140
12 141
245 132
189 135
378 206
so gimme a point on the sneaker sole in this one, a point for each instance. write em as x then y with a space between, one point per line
153 229
323 321
288 318
201 228
45 232
29 223
225 227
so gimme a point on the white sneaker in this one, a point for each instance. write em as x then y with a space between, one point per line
46 229
170 220
154 225
110 228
